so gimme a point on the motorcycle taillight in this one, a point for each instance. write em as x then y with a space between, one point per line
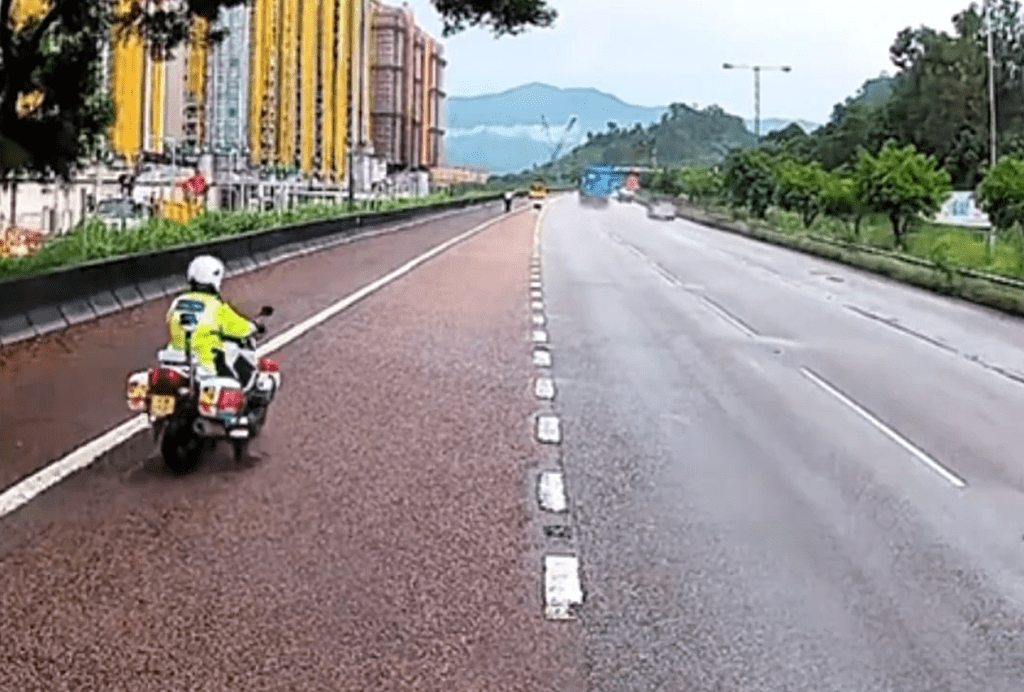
268 365
230 401
165 380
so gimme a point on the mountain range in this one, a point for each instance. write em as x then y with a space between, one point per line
505 132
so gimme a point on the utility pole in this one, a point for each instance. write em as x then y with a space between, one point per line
757 89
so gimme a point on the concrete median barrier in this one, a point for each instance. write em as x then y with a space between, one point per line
41 304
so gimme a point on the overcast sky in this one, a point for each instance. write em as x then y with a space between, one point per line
653 52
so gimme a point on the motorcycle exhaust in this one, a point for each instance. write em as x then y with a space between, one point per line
205 428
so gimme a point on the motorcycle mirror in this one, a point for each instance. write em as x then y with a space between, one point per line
266 311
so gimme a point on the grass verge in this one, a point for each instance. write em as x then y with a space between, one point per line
93 241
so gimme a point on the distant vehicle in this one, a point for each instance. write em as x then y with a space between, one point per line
599 183
538 192
120 212
662 209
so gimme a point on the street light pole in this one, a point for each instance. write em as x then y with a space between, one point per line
757 89
991 82
993 154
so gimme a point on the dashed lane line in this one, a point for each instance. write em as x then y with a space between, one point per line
549 429
730 318
551 492
542 358
24 491
886 430
544 388
562 589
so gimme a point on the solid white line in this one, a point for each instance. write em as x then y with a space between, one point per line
545 388
562 588
551 492
903 442
549 429
298 330
24 491
542 358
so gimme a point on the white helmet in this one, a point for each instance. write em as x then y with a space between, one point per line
206 270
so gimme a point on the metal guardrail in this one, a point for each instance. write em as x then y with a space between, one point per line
846 245
40 304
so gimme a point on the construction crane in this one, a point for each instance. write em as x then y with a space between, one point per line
557 147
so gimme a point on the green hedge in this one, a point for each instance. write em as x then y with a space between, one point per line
93 240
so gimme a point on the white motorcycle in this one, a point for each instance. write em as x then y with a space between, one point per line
191 408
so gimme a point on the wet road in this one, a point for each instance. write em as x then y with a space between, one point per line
786 475
381 542
60 390
782 474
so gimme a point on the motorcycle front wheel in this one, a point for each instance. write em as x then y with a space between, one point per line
180 447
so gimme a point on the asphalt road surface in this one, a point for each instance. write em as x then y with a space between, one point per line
786 475
782 475
380 543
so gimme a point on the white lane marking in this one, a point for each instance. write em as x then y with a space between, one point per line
24 491
562 588
549 429
725 315
540 336
542 358
537 305
889 432
666 275
536 285
538 320
545 388
536 295
347 302
551 492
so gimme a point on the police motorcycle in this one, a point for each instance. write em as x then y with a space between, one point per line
191 408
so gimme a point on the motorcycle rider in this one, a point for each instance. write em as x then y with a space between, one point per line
217 321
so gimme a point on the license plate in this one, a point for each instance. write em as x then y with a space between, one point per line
161 405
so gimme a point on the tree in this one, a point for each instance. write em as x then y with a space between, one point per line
798 188
502 17
940 103
902 184
749 179
53 108
839 199
699 183
1001 193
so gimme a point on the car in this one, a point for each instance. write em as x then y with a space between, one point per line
120 212
661 209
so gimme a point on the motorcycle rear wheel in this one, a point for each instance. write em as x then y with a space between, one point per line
180 447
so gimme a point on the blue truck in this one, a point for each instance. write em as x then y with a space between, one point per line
598 183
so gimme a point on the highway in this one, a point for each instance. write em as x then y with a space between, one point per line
782 474
786 475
